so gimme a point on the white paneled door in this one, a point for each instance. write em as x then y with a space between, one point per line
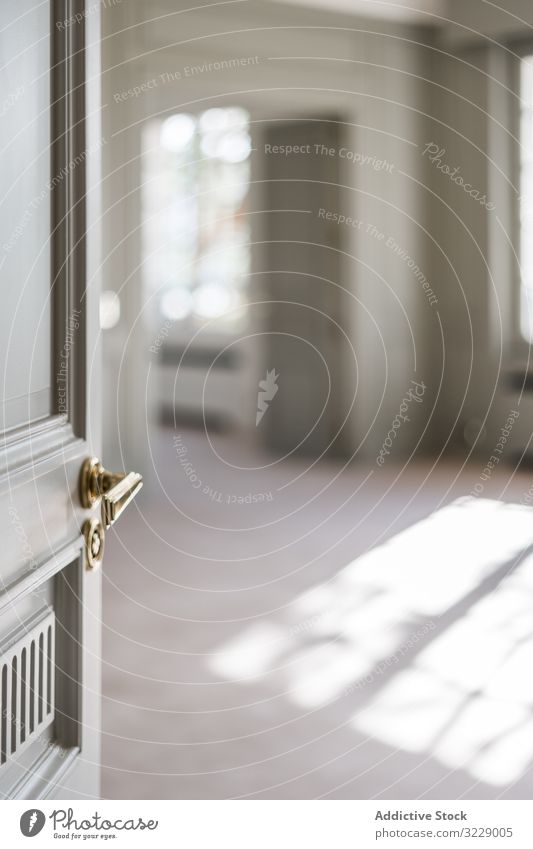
51 530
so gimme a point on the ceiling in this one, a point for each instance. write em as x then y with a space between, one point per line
420 11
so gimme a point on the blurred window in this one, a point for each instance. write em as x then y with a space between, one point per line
526 198
196 230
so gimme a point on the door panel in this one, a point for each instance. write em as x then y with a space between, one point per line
49 600
306 344
26 316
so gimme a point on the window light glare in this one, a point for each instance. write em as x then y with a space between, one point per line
212 301
109 309
234 147
176 132
214 120
176 304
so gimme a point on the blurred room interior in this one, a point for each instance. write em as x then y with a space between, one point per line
316 334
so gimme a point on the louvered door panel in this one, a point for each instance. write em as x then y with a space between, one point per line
27 686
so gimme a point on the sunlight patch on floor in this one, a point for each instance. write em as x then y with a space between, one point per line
453 683
467 698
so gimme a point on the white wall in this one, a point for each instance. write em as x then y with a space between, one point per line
476 258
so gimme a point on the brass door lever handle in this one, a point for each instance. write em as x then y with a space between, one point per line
114 490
